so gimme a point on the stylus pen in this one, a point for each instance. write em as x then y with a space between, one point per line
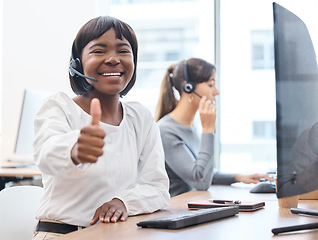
295 228
304 211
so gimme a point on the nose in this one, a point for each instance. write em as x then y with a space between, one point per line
216 92
112 61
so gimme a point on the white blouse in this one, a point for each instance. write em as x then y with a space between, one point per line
131 168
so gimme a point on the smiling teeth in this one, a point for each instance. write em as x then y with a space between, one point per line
111 74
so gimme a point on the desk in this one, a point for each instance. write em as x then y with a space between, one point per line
15 173
247 226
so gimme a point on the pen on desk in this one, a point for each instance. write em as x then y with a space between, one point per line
295 228
225 201
304 211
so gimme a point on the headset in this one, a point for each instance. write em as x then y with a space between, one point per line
189 86
76 67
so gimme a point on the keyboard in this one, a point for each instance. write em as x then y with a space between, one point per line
189 218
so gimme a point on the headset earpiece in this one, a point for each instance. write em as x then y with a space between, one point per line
188 87
76 69
75 65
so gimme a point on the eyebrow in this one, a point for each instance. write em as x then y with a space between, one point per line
104 45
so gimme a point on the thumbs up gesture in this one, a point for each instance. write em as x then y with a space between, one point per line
95 111
90 143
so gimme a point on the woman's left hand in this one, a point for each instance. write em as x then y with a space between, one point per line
207 113
253 178
111 211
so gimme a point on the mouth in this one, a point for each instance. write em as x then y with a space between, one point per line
114 74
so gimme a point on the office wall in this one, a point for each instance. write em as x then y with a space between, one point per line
37 39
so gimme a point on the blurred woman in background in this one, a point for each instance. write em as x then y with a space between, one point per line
189 157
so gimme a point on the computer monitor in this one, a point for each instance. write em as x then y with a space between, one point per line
296 76
32 101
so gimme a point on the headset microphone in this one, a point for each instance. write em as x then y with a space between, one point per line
197 94
76 64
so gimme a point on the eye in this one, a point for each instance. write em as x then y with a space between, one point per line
211 84
97 51
124 51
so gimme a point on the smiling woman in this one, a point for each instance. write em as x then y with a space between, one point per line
80 141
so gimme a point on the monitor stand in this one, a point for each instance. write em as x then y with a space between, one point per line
288 202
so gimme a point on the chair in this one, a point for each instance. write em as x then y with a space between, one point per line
17 211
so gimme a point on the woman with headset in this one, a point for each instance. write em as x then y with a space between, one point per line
188 156
102 159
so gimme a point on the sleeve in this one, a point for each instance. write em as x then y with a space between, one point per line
196 172
54 139
223 178
151 192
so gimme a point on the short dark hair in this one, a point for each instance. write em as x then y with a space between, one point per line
93 29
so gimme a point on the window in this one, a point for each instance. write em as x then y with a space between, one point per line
247 87
262 49
264 130
172 44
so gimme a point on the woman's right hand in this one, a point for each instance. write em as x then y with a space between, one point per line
207 112
89 146
112 211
